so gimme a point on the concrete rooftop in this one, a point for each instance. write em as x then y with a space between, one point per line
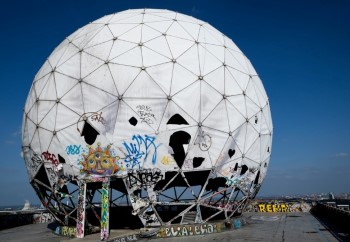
259 227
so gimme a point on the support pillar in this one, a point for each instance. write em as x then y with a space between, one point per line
105 210
81 210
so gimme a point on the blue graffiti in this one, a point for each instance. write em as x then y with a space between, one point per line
73 149
139 148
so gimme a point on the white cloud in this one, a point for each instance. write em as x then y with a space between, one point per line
342 154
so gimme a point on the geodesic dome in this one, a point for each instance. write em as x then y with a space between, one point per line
163 105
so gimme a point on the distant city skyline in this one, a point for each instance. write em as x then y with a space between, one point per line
299 50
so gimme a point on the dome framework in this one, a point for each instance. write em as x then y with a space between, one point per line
149 113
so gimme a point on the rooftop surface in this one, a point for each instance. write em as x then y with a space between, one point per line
259 227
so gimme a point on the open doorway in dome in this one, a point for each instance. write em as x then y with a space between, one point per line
89 133
177 142
177 119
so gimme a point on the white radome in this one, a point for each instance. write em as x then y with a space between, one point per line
156 91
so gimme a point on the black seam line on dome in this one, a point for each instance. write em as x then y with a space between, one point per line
184 111
144 46
43 76
179 23
145 42
79 83
85 31
162 12
166 94
121 35
59 59
179 63
195 80
211 55
245 68
251 122
250 147
228 67
131 82
102 90
221 100
245 137
120 54
155 14
178 37
98 66
161 119
46 101
43 86
228 100
98 30
249 159
267 121
115 85
96 44
149 26
228 118
73 79
210 31
257 90
171 53
69 56
122 19
115 25
59 64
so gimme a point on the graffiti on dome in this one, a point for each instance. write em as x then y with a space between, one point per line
100 161
138 150
50 157
146 114
144 177
73 149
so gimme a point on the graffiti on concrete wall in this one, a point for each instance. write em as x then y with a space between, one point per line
189 230
278 206
127 238
66 231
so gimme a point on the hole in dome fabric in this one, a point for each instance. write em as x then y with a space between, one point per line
257 178
244 170
177 119
133 121
236 166
215 183
177 142
89 133
61 159
197 161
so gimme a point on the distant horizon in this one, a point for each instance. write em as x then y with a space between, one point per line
299 49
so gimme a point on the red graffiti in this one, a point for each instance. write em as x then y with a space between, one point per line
50 157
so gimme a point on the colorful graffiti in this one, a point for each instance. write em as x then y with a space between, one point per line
73 149
272 208
278 206
127 238
138 150
81 210
50 157
66 231
100 161
189 230
105 211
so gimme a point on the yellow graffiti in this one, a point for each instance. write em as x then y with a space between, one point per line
273 208
167 160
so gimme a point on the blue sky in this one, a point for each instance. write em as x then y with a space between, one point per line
300 49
